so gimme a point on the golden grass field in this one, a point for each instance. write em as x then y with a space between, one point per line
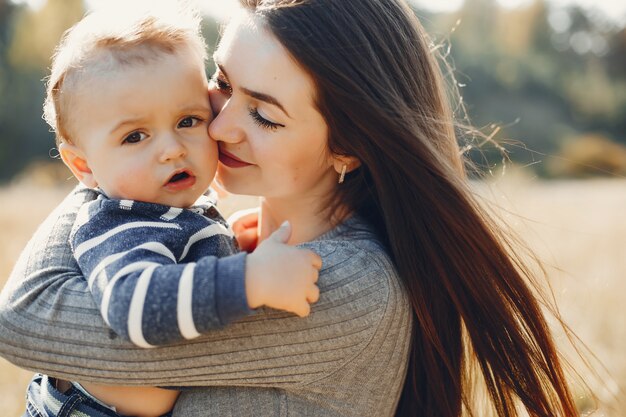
578 229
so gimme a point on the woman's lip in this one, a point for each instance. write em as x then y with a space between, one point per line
231 160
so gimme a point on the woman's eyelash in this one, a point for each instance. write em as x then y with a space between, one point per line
263 122
222 85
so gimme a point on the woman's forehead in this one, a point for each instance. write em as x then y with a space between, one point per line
252 57
246 38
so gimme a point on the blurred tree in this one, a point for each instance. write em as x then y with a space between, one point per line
616 56
210 31
589 155
31 37
616 67
37 32
544 74
6 12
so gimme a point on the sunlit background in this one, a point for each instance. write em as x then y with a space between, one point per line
550 74
544 80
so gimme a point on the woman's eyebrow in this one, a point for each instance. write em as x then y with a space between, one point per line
255 94
264 97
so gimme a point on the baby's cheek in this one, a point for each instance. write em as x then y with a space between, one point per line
134 184
210 155
210 147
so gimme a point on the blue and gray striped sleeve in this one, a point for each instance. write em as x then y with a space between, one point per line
150 272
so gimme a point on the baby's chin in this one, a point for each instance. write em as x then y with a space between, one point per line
182 195
180 201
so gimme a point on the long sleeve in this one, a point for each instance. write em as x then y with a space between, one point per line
135 257
50 323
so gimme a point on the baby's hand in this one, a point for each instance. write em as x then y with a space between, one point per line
282 276
245 225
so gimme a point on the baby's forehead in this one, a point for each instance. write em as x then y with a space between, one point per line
93 77
136 86
102 62
95 70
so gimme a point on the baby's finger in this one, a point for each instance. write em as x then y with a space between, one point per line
244 218
303 310
314 294
316 260
315 274
239 227
247 240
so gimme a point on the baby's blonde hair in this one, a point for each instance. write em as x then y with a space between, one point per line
114 37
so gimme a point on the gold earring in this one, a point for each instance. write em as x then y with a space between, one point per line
342 176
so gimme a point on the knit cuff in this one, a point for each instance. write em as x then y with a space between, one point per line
231 300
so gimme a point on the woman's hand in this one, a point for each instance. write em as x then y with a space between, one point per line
245 225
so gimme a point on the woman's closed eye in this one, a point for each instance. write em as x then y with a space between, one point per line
135 137
262 121
225 88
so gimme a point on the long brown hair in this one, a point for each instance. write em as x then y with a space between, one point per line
381 92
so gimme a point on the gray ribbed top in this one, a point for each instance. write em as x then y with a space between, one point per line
348 358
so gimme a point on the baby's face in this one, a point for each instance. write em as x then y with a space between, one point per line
144 130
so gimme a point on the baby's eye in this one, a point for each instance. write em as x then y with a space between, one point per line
189 122
135 137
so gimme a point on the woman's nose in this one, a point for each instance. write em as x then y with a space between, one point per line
172 149
226 124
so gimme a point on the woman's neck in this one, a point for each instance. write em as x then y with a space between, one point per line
308 220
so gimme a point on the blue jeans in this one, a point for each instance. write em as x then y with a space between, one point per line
44 400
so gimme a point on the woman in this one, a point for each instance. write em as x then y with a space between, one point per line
334 111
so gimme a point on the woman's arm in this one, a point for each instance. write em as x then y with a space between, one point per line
49 323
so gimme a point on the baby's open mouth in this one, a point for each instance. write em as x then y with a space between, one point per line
181 180
179 177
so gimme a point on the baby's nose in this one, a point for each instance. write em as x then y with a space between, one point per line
173 148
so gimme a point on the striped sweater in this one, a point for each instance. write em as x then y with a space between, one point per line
348 358
159 274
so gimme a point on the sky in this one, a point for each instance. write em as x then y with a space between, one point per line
614 9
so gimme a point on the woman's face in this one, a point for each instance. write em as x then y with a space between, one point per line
272 139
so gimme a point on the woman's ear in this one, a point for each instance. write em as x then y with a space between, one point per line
344 164
75 160
350 162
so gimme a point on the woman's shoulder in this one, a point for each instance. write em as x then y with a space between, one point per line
352 253
358 282
353 237
358 254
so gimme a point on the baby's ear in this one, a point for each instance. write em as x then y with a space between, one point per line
75 160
